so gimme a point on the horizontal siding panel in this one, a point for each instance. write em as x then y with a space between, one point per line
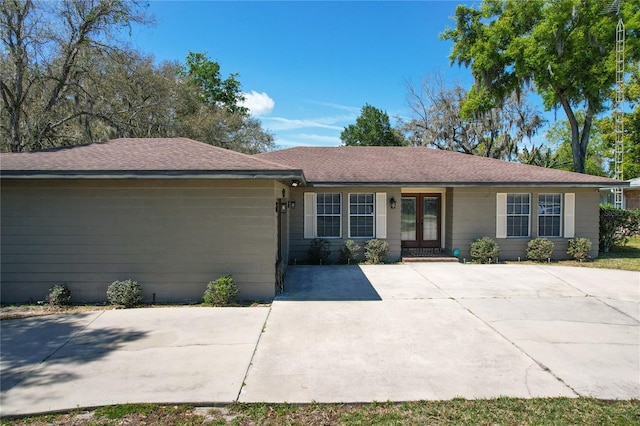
175 234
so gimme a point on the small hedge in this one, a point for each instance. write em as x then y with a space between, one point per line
579 248
485 250
319 251
127 293
350 252
59 295
221 291
540 249
375 251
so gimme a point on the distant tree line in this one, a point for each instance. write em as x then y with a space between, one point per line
66 78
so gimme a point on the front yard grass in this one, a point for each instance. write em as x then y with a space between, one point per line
500 411
625 257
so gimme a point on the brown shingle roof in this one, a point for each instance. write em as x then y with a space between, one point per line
419 166
137 156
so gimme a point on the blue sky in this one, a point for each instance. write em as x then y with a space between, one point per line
309 67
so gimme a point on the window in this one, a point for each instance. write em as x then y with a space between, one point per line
549 215
361 215
518 211
323 215
328 215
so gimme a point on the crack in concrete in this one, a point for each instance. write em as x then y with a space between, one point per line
255 349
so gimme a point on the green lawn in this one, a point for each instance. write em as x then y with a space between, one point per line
625 257
501 411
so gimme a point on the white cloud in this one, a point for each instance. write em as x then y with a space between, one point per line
258 103
281 123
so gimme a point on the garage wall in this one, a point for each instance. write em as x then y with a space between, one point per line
172 236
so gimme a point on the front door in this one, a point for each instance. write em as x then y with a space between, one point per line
421 220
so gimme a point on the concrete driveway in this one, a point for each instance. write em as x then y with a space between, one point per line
438 331
344 334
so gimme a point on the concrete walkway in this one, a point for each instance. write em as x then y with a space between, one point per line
345 334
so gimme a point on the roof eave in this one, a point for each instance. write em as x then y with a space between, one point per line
470 184
292 174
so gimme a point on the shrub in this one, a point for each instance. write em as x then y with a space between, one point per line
376 250
319 251
484 250
617 225
127 293
221 291
59 295
539 249
349 253
579 248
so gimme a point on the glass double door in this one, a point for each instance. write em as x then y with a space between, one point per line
421 220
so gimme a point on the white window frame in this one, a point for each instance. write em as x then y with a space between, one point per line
372 214
502 217
338 215
311 217
559 215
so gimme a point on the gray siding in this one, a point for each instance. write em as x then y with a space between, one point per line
172 236
299 246
473 213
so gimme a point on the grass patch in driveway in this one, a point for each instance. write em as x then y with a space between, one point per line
500 411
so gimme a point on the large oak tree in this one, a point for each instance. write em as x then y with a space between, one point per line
565 48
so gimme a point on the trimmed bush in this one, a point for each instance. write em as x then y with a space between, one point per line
579 248
127 293
349 253
484 250
319 251
59 295
539 249
221 291
375 251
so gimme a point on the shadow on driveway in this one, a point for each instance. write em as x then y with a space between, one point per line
327 283
26 343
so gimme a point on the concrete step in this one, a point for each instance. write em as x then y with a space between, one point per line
430 259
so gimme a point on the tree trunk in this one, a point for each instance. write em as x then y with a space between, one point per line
578 142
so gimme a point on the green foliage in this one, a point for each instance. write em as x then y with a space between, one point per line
59 295
372 128
76 83
319 251
375 251
204 75
617 225
579 248
484 250
539 249
565 49
221 291
349 252
631 157
127 293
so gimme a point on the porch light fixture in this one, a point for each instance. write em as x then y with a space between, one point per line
292 204
295 183
392 203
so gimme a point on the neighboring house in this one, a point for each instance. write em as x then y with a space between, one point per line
175 214
632 195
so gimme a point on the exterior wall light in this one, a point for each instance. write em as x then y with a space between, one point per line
392 203
295 183
292 204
